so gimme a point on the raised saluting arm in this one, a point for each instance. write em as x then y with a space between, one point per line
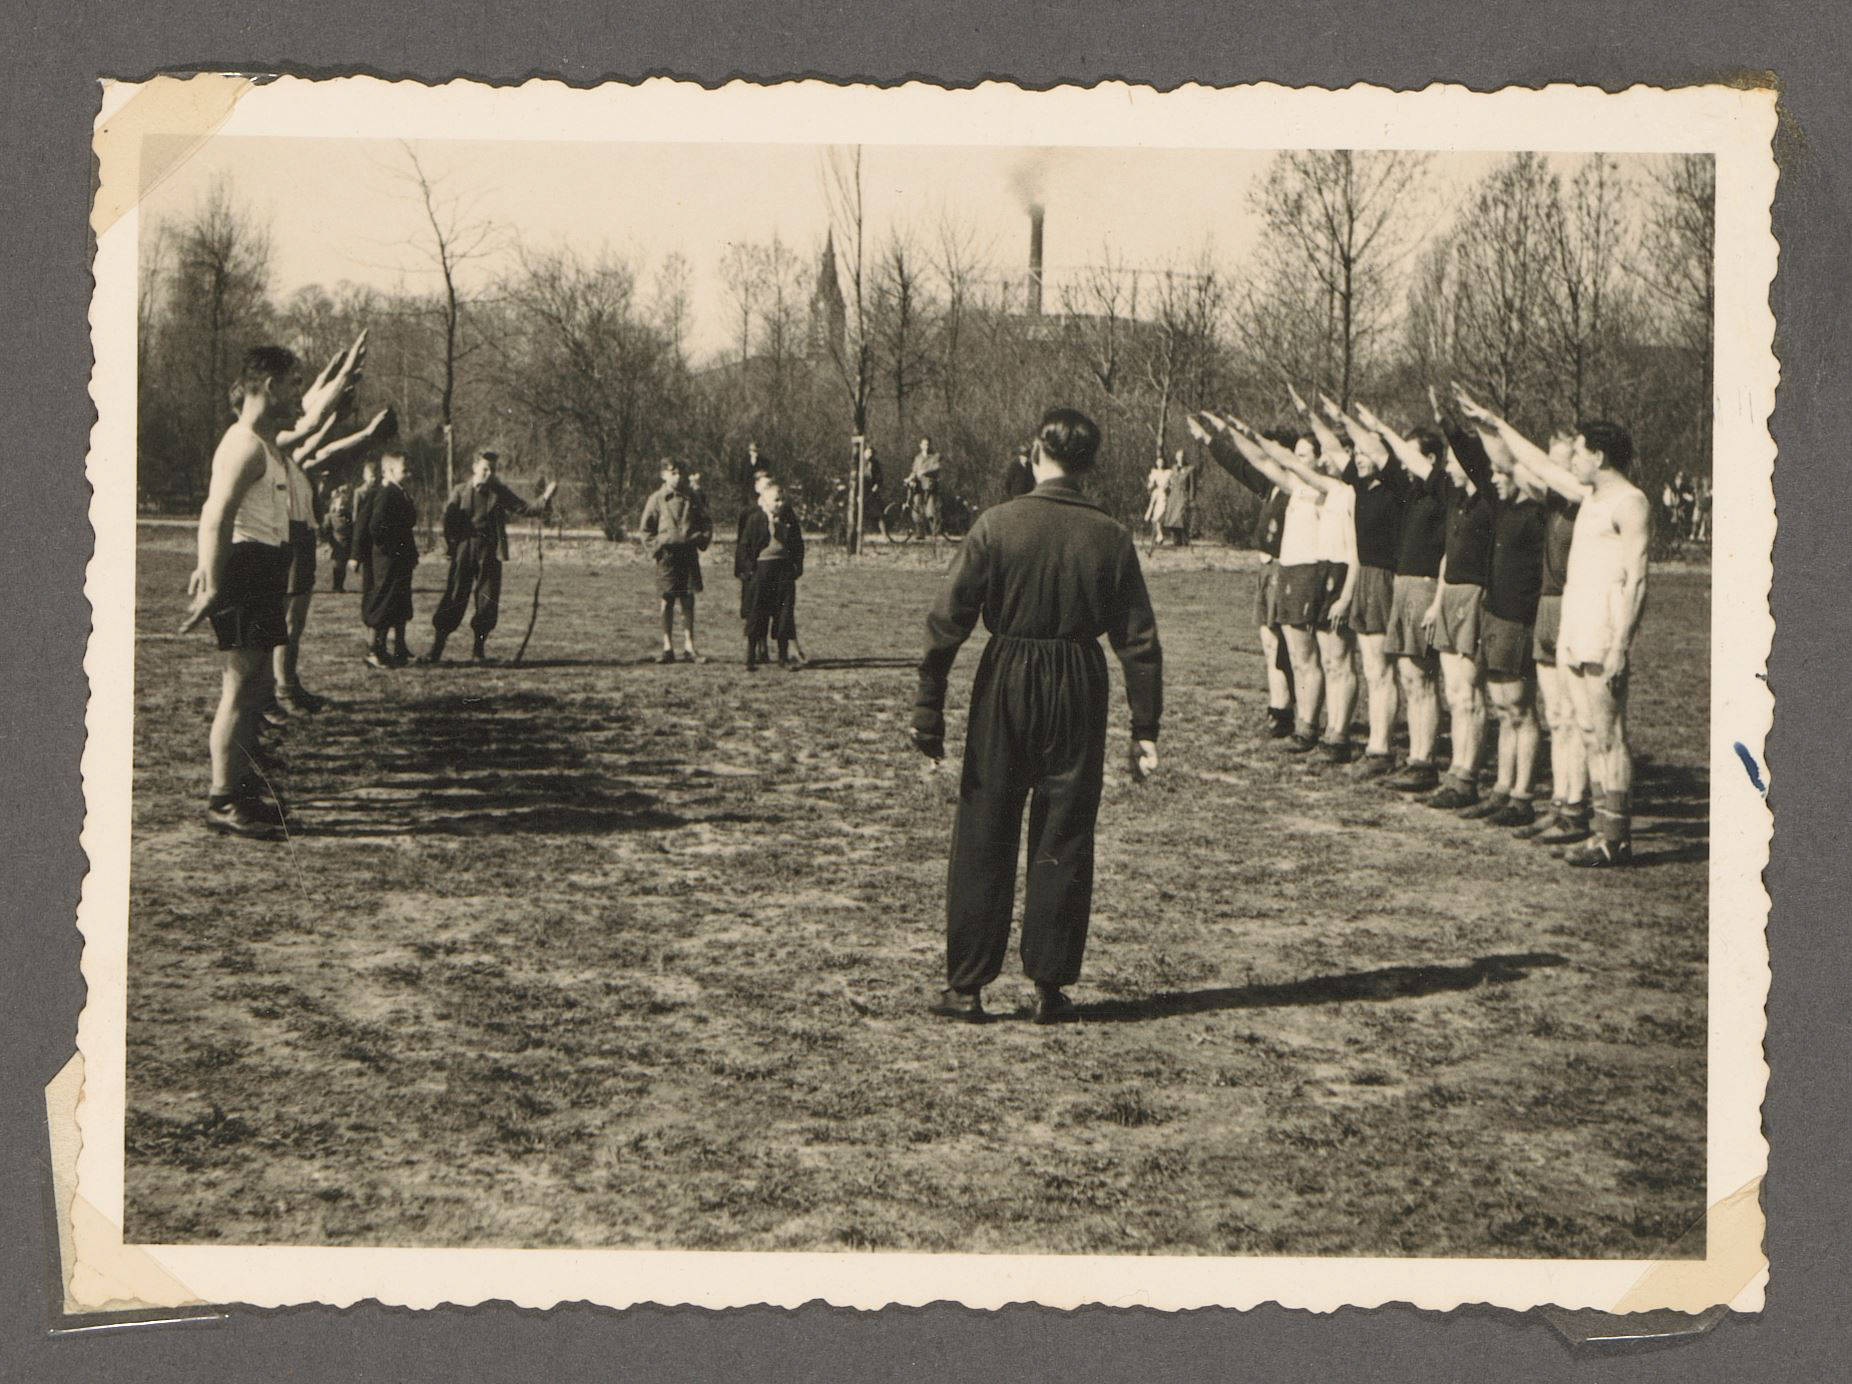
1406 449
1526 456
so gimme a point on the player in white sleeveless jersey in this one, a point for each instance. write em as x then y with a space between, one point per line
240 582
1604 595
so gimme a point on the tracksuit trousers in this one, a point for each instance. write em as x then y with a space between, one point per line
475 571
1036 736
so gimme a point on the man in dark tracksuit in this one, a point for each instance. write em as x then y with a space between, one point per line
476 536
1050 574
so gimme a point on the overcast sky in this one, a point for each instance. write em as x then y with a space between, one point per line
338 209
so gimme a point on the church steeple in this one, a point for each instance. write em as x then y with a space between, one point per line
829 317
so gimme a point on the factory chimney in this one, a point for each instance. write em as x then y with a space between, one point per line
1035 260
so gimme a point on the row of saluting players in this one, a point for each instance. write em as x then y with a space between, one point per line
1461 561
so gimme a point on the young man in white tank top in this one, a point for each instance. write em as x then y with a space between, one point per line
240 583
1604 595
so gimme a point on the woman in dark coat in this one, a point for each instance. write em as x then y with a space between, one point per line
386 537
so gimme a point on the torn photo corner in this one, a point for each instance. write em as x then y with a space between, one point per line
1435 425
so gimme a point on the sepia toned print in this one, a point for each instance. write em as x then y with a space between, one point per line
1333 517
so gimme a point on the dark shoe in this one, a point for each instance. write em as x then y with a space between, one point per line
301 697
268 805
1414 778
430 658
1279 724
955 1004
376 659
1565 831
1053 1007
666 656
1375 766
1487 806
239 818
1300 744
1517 813
1539 824
1334 752
1599 855
276 714
690 656
401 657
1451 797
479 652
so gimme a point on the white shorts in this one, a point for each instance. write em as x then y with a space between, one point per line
1587 630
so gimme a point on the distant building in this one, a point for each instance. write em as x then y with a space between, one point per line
829 315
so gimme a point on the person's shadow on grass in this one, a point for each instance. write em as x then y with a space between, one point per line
1388 983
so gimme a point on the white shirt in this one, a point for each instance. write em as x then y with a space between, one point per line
263 513
1299 544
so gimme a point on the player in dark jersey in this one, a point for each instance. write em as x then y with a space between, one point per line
1568 819
1406 640
1506 634
1381 485
1453 617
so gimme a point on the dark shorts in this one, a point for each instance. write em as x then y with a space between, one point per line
1335 575
1374 597
678 571
1458 629
301 558
1267 595
1543 638
1404 637
1302 593
1504 647
249 611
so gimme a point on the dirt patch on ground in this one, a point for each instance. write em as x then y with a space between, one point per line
594 953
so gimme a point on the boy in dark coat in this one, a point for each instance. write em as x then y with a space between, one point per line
1049 573
676 531
770 558
386 537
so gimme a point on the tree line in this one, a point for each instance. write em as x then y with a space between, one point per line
1553 292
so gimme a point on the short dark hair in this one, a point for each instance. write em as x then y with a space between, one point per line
1285 437
1069 438
490 455
1432 444
671 464
1613 441
261 364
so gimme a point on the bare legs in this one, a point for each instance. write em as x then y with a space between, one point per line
1568 754
1421 693
1308 680
1379 677
244 690
1337 655
1466 705
1518 736
687 604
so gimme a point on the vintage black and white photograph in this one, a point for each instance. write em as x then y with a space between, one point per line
1074 687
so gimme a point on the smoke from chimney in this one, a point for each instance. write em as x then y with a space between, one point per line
1035 260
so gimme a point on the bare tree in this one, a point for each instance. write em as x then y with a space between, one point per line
902 323
1503 254
671 296
454 238
1585 231
1180 345
957 261
584 366
1097 306
740 272
1678 271
1342 217
853 356
221 272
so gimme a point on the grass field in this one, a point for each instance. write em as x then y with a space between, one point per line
594 953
